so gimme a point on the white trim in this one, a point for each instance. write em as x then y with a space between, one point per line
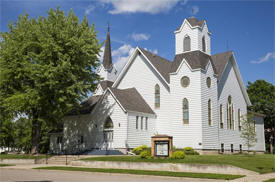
192 27
239 78
197 69
125 68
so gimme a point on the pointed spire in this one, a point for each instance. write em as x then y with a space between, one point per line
107 58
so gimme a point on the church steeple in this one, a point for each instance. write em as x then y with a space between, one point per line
107 58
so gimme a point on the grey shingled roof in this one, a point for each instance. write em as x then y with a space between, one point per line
194 22
196 59
161 64
107 58
86 106
105 84
220 60
131 100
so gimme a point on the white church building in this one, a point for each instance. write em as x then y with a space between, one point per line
198 98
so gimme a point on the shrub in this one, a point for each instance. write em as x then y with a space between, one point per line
190 151
178 155
145 154
139 149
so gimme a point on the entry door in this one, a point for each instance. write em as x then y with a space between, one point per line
108 139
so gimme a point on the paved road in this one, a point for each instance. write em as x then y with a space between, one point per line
34 175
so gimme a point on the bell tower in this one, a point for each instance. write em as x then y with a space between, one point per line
192 35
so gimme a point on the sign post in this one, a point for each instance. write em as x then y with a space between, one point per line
162 146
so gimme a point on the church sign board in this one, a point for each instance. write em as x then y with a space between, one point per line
161 146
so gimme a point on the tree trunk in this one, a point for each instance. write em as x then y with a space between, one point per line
36 127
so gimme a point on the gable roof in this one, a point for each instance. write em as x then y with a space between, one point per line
105 84
131 100
195 59
161 64
193 22
220 61
86 106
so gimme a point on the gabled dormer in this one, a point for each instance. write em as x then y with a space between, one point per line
192 35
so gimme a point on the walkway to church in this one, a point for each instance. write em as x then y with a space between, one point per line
25 173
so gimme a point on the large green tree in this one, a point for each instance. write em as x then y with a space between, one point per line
47 67
262 96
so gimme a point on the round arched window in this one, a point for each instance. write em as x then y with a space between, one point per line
229 99
208 82
185 81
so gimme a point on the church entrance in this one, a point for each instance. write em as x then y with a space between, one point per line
108 132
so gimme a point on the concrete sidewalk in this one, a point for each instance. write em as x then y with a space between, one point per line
247 178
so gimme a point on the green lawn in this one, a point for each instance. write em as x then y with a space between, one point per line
270 180
259 163
21 156
3 165
147 172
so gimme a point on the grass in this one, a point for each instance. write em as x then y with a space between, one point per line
21 156
270 180
4 165
147 172
258 163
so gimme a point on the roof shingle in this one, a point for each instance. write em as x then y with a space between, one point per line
131 100
161 64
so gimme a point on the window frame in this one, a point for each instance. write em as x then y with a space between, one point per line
146 123
185 110
203 44
137 122
209 112
221 116
141 122
157 96
186 44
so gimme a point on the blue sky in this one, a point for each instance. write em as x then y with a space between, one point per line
246 27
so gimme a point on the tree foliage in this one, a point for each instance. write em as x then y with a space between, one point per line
262 97
47 67
248 133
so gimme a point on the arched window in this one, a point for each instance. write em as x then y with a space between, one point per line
185 111
209 113
239 119
186 43
230 113
108 123
203 44
157 96
221 115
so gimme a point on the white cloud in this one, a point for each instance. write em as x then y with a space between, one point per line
140 6
89 9
140 36
100 57
121 55
184 2
267 57
195 10
155 51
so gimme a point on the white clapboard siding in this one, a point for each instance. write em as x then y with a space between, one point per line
186 135
137 137
209 132
143 77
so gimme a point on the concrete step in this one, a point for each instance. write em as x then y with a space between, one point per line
104 152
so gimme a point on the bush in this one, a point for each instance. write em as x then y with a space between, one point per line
145 154
178 155
139 149
190 151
